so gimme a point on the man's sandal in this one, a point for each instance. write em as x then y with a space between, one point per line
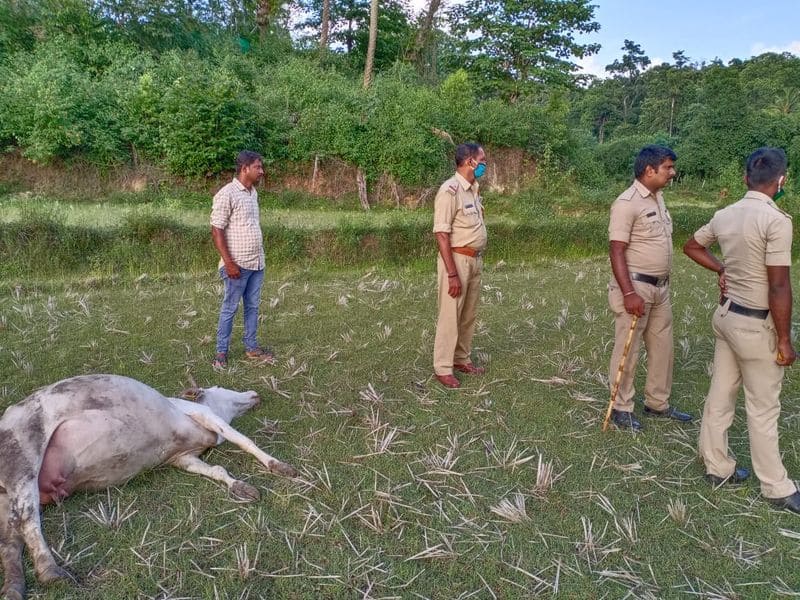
220 361
261 355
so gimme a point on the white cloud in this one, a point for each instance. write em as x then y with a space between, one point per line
761 48
591 65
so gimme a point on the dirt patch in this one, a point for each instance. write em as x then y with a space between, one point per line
509 170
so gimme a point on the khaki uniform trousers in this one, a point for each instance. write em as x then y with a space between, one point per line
655 327
744 353
456 323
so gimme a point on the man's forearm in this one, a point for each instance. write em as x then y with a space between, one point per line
619 267
702 256
443 241
218 235
779 295
780 307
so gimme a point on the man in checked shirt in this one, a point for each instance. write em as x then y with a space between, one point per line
236 231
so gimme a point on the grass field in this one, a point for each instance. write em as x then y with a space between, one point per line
503 489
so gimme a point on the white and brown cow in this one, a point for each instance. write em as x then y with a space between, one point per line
95 431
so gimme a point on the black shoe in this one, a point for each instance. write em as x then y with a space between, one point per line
791 503
625 420
738 476
669 413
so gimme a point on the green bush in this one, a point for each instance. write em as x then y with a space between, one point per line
207 118
145 224
314 112
397 136
53 107
617 156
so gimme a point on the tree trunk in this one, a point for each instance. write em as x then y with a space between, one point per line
424 33
263 17
671 114
324 26
395 192
315 174
362 189
373 39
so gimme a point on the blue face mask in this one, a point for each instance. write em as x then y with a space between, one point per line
480 169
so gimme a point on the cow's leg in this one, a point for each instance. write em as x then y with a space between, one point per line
238 489
25 511
217 425
10 555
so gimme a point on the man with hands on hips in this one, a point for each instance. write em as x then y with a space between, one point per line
752 326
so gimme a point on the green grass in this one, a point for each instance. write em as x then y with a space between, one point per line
164 234
503 489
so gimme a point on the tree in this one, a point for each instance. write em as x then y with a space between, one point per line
324 27
348 30
668 91
373 40
423 38
599 107
514 45
630 70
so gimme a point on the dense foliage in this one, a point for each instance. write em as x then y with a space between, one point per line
184 85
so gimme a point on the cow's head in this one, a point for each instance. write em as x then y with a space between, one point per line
226 404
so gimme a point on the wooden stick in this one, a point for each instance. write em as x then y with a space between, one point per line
621 368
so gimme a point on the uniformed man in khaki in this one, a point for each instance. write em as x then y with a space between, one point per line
640 249
752 327
461 236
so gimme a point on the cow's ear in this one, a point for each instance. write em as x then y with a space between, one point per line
193 394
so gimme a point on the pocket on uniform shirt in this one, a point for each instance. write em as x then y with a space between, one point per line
471 212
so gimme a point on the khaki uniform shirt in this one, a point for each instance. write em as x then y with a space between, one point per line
235 211
458 210
753 234
641 219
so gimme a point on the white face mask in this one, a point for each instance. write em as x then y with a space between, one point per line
780 193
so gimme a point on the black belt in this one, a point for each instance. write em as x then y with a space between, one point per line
756 313
652 280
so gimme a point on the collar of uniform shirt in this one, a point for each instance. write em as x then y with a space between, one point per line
643 189
754 195
466 184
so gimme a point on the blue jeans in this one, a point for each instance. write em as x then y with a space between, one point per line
247 289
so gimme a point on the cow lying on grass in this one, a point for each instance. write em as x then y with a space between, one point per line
96 431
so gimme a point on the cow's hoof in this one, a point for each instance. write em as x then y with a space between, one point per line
281 468
244 491
54 574
13 591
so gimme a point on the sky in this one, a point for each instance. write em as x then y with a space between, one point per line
703 29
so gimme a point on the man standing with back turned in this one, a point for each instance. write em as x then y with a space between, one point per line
236 231
461 236
640 249
752 327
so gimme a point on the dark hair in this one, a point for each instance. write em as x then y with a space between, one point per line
765 165
245 158
466 151
651 156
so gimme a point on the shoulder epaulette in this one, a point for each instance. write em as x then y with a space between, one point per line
627 194
783 212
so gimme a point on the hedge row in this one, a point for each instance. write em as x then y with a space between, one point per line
40 247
